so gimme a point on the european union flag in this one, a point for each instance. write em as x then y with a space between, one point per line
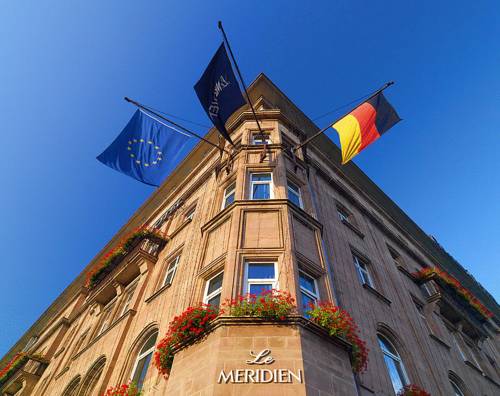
219 92
146 149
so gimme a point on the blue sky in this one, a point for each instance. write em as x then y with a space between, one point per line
67 65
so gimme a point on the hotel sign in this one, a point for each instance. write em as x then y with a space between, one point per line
260 375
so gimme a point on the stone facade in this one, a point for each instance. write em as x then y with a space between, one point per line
338 229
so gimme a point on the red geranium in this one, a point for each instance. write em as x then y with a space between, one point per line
190 324
442 276
339 323
129 389
271 304
412 390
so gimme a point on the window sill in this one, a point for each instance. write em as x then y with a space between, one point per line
377 294
439 341
472 365
64 370
406 272
157 293
353 228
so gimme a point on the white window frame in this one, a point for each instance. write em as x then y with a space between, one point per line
190 213
129 295
456 389
309 293
397 358
227 192
360 270
270 182
106 320
255 281
343 214
171 269
143 355
256 138
207 297
292 191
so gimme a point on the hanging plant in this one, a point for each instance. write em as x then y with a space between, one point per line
339 323
412 390
112 258
18 360
444 278
189 325
271 304
129 389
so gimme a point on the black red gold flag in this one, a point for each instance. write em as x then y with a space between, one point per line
365 124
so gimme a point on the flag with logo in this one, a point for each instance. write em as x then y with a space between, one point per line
147 149
365 124
219 92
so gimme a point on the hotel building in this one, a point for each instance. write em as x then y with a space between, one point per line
266 219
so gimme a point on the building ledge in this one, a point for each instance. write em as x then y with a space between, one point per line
157 293
353 228
377 294
439 341
295 320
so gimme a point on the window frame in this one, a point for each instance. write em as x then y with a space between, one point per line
175 263
142 355
270 182
303 290
357 260
107 318
298 193
208 296
251 281
190 214
129 295
257 136
405 380
227 194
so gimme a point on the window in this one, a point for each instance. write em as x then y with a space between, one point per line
294 194
229 194
106 318
396 257
30 343
260 186
129 293
456 389
394 364
260 277
362 270
258 138
213 290
143 361
72 387
308 290
421 313
190 214
457 345
89 384
343 214
171 270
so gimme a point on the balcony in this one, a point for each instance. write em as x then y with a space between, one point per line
22 372
147 242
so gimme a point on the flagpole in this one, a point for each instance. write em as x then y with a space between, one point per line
386 85
173 123
221 28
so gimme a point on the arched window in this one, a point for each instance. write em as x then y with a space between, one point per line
394 364
89 384
458 386
143 360
72 387
456 389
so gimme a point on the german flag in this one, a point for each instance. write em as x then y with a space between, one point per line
365 124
